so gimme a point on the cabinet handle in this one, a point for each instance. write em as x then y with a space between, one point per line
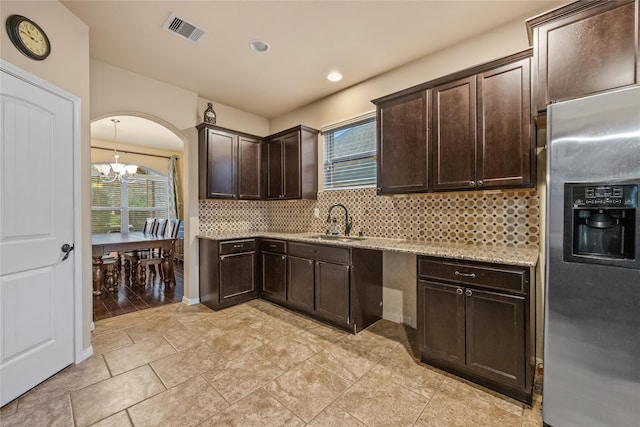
284 257
379 189
272 245
459 291
472 183
465 274
314 251
468 292
310 261
237 246
480 183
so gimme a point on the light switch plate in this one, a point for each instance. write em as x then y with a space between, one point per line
316 212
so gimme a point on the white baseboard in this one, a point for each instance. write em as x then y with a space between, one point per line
192 301
86 353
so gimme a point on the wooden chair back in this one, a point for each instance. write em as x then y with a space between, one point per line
174 228
161 227
149 225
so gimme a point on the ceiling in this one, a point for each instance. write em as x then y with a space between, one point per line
308 39
136 131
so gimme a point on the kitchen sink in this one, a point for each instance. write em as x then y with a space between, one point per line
336 238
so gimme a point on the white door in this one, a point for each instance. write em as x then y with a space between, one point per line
36 219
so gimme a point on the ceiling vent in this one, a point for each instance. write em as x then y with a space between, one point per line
184 29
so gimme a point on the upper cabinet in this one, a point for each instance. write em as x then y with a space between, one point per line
230 164
481 130
402 144
464 131
584 48
291 164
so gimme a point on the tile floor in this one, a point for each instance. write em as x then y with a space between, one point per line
256 364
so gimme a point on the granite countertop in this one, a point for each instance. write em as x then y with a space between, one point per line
526 257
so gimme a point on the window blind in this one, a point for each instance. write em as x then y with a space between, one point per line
350 154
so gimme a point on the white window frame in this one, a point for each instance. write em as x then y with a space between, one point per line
327 164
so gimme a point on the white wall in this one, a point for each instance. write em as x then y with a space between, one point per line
68 68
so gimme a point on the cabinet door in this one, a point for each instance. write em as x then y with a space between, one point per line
504 142
274 276
496 336
441 321
249 168
402 145
221 164
291 173
274 168
332 292
453 139
300 278
237 276
587 52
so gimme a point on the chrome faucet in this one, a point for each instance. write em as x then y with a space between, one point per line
348 221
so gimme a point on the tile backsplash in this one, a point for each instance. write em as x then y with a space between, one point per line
499 217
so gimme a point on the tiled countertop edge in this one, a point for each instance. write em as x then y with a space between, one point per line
525 257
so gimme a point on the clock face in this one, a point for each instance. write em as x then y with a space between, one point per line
28 37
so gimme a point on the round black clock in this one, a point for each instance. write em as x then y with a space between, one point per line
28 37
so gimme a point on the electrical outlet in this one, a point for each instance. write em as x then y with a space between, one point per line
316 212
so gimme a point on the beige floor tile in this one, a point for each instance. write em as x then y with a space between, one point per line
328 333
113 324
532 417
104 343
400 367
179 367
346 360
307 389
127 358
376 401
186 338
335 417
455 404
74 377
185 405
465 388
237 342
154 328
54 413
271 329
374 343
258 409
121 419
105 398
394 331
9 409
287 352
241 376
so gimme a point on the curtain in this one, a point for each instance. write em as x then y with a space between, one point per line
173 189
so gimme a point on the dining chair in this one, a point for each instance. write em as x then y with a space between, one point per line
154 259
151 225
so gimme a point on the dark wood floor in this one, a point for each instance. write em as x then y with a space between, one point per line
138 297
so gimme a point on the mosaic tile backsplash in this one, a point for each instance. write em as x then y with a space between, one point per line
508 217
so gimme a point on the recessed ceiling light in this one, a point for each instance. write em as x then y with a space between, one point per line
334 76
260 46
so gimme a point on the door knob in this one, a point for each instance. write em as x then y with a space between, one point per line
66 248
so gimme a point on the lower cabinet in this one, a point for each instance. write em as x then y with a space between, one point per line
332 289
300 277
274 270
227 272
476 320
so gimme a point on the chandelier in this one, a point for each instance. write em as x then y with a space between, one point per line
121 172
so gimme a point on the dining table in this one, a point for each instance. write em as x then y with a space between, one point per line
103 244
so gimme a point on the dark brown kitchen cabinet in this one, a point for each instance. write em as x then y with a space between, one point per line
481 129
227 272
300 280
402 144
339 285
230 164
291 164
274 270
584 48
476 320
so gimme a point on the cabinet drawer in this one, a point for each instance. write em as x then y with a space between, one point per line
494 276
237 246
320 252
274 246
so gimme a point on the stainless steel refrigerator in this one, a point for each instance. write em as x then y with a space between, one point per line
592 295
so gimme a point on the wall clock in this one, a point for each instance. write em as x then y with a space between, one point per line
28 37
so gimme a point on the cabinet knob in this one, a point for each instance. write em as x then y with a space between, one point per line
468 292
284 257
310 261
472 183
459 291
480 183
